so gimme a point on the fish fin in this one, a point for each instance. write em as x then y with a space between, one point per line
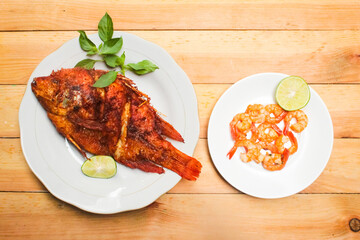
167 129
86 123
143 165
83 153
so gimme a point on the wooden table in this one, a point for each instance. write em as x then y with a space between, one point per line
216 43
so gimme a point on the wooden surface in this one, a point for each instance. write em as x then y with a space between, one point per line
216 43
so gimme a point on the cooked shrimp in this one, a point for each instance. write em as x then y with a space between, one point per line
280 142
268 132
233 149
301 121
257 113
240 125
269 146
283 139
277 111
266 135
275 161
252 150
294 143
254 132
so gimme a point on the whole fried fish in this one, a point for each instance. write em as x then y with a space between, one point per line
117 120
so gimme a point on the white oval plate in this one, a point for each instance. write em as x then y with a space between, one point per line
302 168
58 164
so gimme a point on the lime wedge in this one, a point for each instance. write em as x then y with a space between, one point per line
99 167
292 93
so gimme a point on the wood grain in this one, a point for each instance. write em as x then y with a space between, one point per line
15 173
201 216
213 56
172 14
10 99
339 176
342 101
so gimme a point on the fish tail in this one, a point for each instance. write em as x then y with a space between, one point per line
184 165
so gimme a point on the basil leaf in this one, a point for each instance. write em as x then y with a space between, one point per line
114 60
142 67
121 60
87 63
112 46
91 52
85 43
106 79
105 28
122 65
145 64
111 60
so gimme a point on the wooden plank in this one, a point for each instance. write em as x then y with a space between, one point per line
10 99
342 101
212 56
339 175
15 173
172 14
185 216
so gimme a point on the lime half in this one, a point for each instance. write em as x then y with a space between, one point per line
99 167
292 93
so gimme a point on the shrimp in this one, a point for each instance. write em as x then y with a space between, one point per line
276 161
240 125
280 142
254 132
252 150
283 139
262 122
277 111
269 146
257 113
301 121
270 135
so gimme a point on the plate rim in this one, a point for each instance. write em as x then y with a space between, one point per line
190 111
210 141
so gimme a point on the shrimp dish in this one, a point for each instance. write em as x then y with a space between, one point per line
257 132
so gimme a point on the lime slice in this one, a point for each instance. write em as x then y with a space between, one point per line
99 167
292 93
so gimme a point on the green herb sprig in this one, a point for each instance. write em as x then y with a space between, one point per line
108 50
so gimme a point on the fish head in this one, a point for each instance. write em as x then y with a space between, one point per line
68 90
46 90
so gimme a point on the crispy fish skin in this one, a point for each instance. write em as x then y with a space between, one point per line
117 120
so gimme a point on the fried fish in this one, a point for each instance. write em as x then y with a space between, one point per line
117 120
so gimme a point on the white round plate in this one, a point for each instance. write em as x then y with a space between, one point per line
302 168
58 164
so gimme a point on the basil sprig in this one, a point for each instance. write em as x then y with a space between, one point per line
108 50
